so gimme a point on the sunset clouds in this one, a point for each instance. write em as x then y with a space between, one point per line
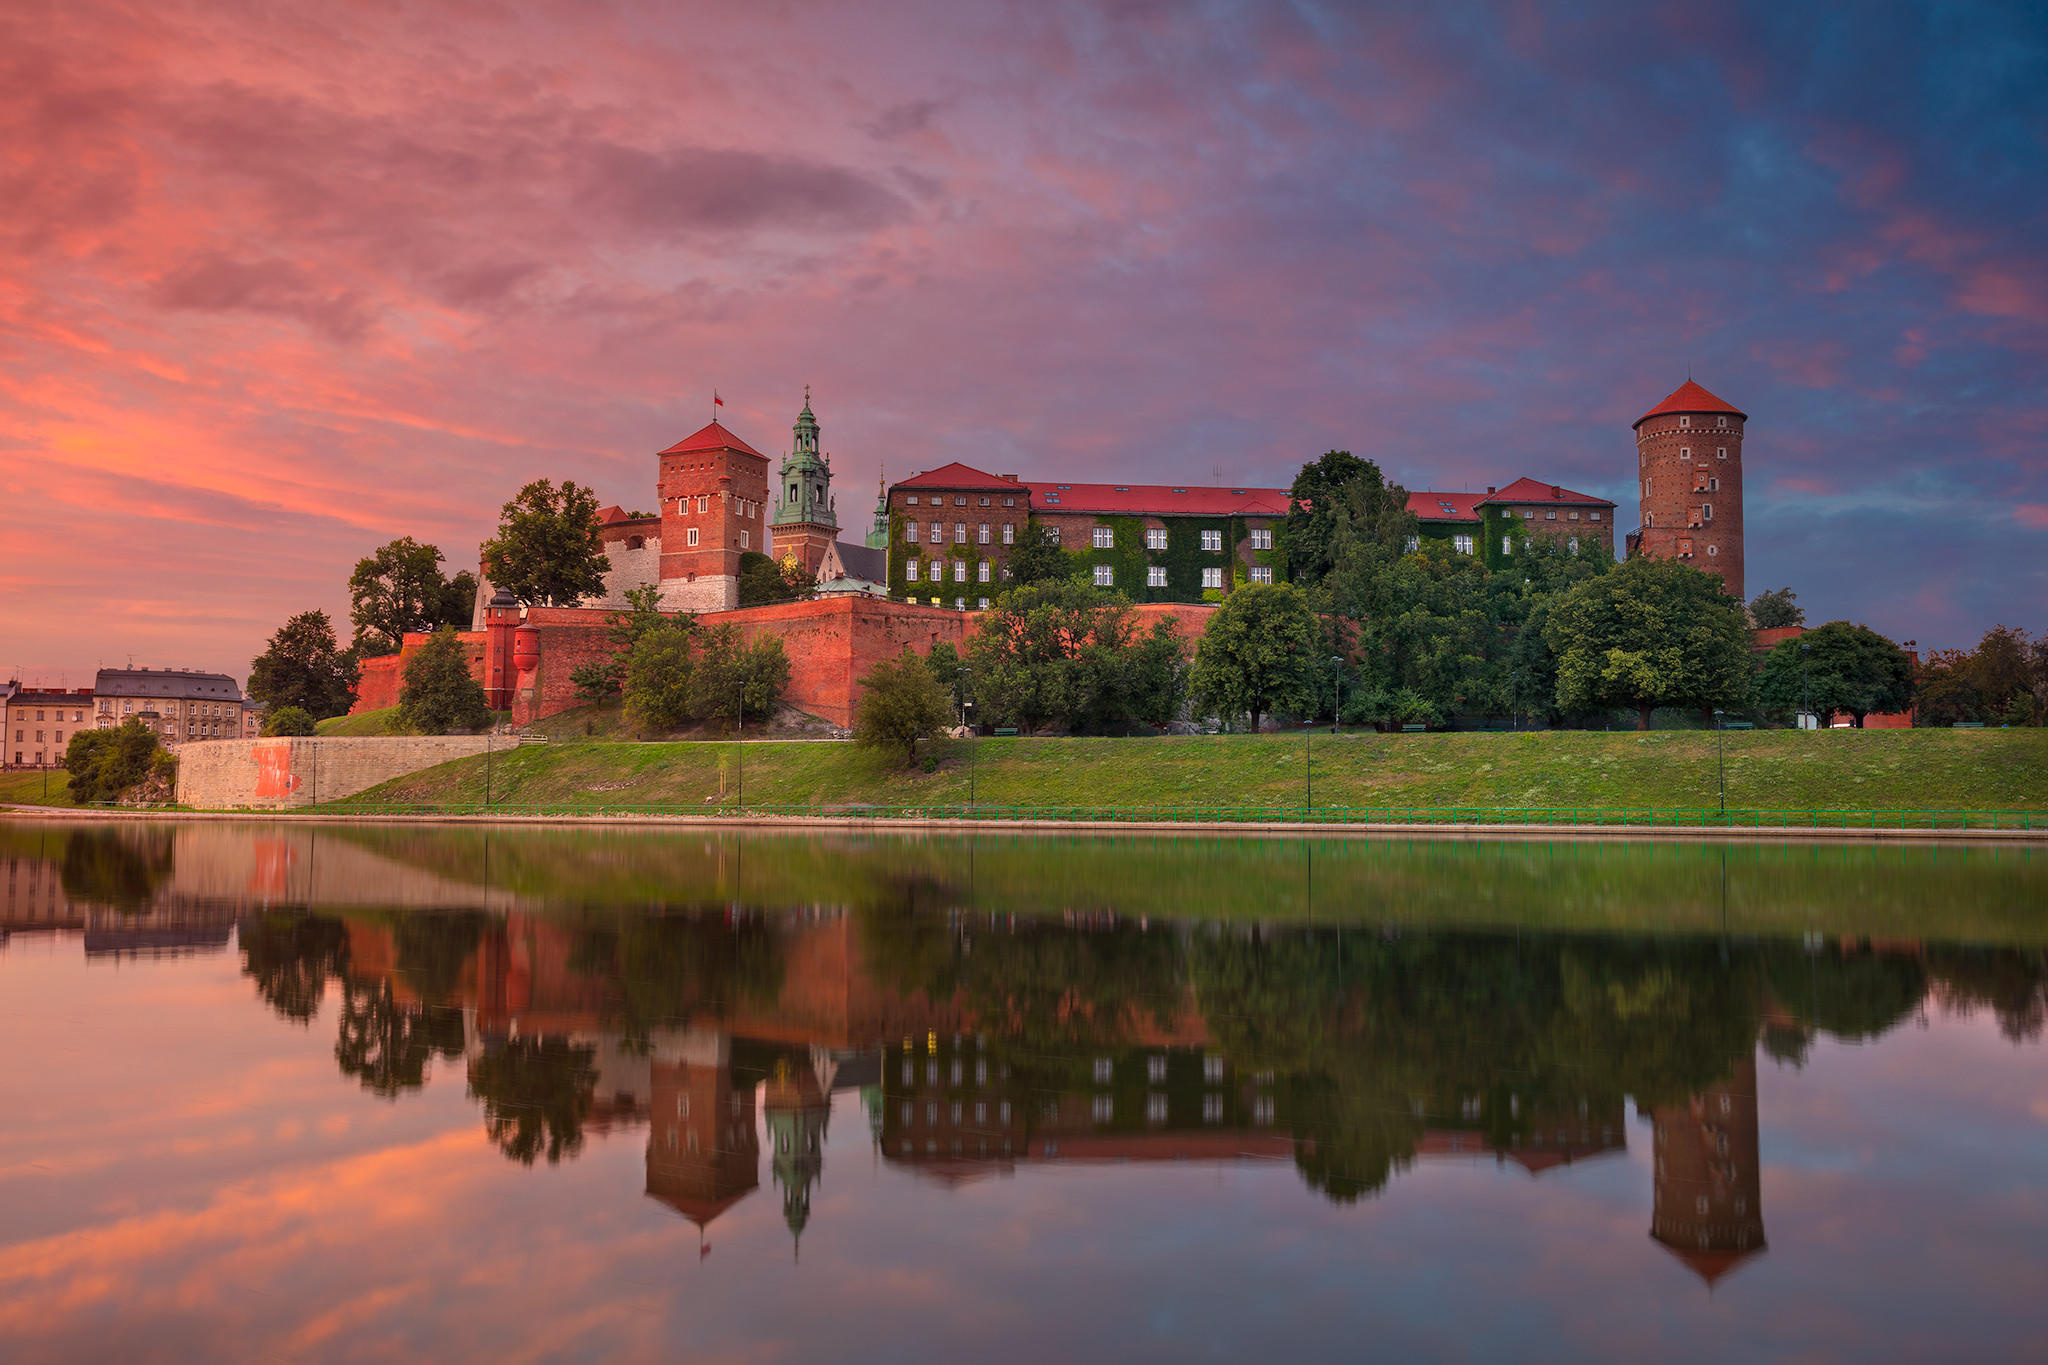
278 283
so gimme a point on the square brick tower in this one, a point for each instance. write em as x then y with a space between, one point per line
714 498
1689 467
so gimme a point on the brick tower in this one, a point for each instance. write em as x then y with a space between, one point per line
805 522
1689 469
1707 1196
714 498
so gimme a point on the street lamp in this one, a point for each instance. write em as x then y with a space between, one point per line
1337 672
966 702
1805 682
1721 755
739 747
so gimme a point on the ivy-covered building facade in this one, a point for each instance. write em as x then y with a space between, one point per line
1503 522
952 531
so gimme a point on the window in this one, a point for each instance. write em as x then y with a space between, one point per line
959 604
1720 452
1572 545
1713 485
1009 502
1713 550
746 538
1507 546
1262 540
910 572
981 534
1009 534
938 533
1212 578
1571 516
1105 538
1594 515
1685 421
1155 577
912 499
1685 453
959 571
1102 1071
1550 515
960 502
1414 544
1155 1109
1155 538
910 533
1155 1070
1261 574
691 535
1053 534
984 502
1462 544
1706 511
1103 1108
959 533
1720 421
704 504
983 603
1212 541
1104 576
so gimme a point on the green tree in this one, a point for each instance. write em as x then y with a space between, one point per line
1652 633
1775 608
900 701
1258 654
765 581
1337 502
1038 558
289 721
1067 653
658 670
536 1093
735 677
439 697
548 551
105 764
1839 667
304 666
398 589
603 679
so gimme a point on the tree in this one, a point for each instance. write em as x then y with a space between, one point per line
1776 608
288 720
1038 558
1067 653
658 673
1338 501
900 701
1652 633
1838 667
547 551
734 677
439 696
536 1093
1257 655
603 679
948 670
104 764
399 589
765 581
305 667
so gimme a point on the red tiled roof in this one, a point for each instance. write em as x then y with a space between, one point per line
1530 490
1445 506
957 475
1159 500
713 437
1690 397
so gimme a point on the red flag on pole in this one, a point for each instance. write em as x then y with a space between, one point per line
716 400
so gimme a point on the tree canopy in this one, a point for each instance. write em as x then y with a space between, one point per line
1776 608
1063 653
547 551
399 588
105 764
1258 654
439 696
305 667
1337 503
1652 633
2003 681
1838 667
765 581
288 721
1038 558
900 702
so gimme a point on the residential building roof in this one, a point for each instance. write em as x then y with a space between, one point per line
46 696
863 561
712 437
1690 397
1445 506
174 683
957 475
1531 490
613 515
1159 500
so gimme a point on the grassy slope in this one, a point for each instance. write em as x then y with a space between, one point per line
1837 770
368 723
26 789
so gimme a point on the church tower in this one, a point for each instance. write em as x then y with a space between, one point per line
878 535
805 523
1689 473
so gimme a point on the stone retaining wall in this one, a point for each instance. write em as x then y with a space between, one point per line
274 774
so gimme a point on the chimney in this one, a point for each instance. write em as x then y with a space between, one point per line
1556 492
1491 489
1011 477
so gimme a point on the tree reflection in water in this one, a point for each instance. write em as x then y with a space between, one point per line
536 1093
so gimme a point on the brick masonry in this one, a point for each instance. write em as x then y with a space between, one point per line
1689 472
277 774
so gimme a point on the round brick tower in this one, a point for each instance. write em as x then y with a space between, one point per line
1689 473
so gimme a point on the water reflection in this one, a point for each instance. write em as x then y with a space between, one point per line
992 1010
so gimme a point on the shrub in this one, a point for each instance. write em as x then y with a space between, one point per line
288 720
900 701
105 763
439 696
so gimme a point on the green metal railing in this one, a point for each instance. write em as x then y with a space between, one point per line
1462 816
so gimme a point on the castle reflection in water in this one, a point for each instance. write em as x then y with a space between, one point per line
980 1042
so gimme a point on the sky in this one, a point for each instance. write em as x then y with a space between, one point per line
280 282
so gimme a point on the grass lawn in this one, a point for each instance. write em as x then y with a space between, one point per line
1766 769
26 788
368 723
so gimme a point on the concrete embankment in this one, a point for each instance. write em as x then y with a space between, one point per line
280 774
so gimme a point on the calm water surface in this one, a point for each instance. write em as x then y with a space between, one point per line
330 1092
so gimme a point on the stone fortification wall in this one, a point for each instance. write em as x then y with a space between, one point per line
280 773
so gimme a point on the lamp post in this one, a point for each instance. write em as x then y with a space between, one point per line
1805 682
1721 757
973 756
739 747
487 761
1337 672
